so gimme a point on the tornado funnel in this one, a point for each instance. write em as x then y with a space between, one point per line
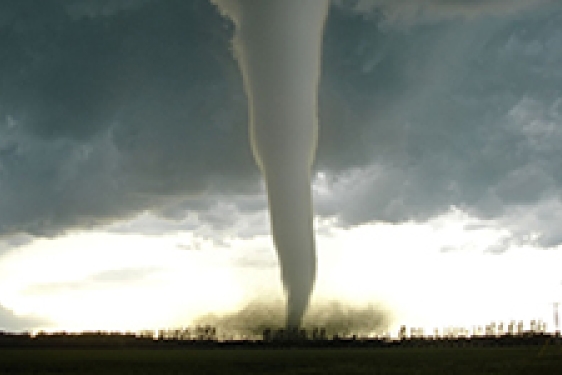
278 46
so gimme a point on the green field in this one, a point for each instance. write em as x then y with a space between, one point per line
529 360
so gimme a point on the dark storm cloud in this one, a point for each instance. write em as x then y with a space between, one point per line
105 116
111 109
423 11
462 114
213 217
97 8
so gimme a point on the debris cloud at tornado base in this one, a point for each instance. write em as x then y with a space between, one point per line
278 48
336 318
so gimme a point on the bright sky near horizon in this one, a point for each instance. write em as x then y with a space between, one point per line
435 274
129 198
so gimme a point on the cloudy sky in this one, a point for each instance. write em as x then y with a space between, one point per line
129 197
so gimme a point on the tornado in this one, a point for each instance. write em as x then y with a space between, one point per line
277 44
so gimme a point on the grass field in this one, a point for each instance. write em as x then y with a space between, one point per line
526 360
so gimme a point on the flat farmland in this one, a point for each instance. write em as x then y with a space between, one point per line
520 360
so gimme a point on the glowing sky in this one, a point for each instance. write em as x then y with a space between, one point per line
129 197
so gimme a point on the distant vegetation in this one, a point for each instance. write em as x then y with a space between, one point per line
209 337
202 350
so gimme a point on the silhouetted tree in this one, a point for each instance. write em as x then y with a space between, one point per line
402 332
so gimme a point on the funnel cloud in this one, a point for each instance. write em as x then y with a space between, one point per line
277 45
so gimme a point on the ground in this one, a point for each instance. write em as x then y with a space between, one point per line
515 360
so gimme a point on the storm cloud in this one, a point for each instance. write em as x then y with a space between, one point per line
110 110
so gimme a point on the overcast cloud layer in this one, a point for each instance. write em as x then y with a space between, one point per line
112 109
